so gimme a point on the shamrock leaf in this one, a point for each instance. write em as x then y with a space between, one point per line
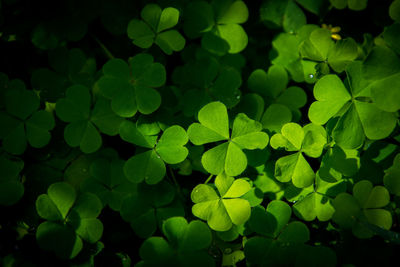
68 67
281 242
310 140
108 182
357 116
391 180
11 188
149 165
317 204
219 24
321 48
155 28
70 218
284 14
382 70
148 206
131 87
185 245
81 131
352 4
22 122
365 204
223 210
213 127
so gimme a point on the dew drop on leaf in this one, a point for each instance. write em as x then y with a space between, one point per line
310 76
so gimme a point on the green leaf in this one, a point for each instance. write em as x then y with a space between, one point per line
246 133
168 19
275 116
235 12
344 52
291 138
83 134
318 45
141 34
222 212
49 234
170 41
317 204
108 182
63 196
170 146
11 188
391 180
131 88
198 17
104 118
130 133
20 102
75 106
284 14
296 169
234 35
38 127
331 95
295 232
146 166
214 125
366 203
394 10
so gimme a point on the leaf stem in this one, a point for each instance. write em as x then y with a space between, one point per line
209 178
174 179
105 49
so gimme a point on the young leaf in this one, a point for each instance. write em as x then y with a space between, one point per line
221 212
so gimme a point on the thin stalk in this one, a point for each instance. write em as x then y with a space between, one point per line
105 49
209 178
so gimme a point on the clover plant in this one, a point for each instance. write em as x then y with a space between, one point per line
199 133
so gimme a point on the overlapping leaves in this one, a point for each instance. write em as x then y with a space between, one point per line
358 117
22 121
85 122
186 244
321 48
70 217
281 241
219 23
108 182
150 165
225 209
148 206
366 204
310 140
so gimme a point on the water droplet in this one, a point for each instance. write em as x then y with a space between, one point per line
238 97
311 76
158 156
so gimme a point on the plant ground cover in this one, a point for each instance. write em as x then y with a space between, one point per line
199 133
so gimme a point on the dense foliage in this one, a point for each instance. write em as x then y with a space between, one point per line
199 133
